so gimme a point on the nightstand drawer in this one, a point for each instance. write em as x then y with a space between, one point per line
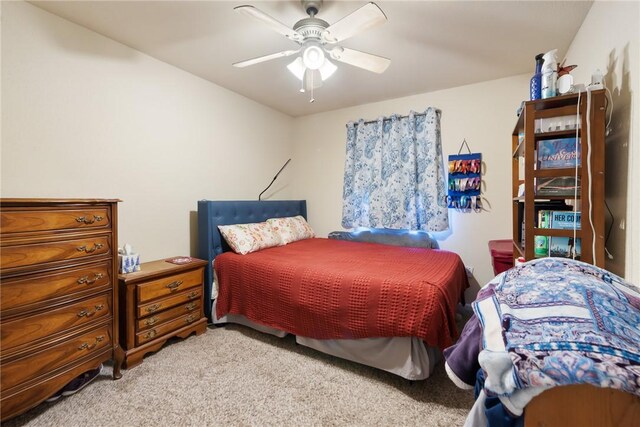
166 328
169 285
34 365
27 329
156 319
163 304
56 219
16 293
39 253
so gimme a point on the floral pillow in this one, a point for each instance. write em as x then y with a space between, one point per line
246 238
292 228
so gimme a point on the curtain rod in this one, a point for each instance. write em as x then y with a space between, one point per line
400 117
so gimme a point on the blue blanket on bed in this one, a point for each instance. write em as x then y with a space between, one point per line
554 322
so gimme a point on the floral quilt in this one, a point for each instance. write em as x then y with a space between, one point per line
554 322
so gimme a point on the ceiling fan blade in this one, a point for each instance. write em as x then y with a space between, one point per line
367 61
259 59
368 16
271 22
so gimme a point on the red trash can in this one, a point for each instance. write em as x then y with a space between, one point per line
501 255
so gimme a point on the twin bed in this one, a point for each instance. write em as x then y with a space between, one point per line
389 307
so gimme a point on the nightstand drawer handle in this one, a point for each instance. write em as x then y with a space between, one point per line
85 279
190 319
84 219
174 285
87 250
86 346
152 333
151 321
190 306
85 313
192 295
153 308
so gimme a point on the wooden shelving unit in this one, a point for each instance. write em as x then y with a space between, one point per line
524 171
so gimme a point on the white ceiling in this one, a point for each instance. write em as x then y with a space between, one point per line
432 45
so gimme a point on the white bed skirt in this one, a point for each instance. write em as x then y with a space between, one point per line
407 357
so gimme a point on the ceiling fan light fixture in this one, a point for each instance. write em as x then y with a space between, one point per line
313 57
327 69
297 68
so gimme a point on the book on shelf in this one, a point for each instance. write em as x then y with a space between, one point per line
564 247
544 218
558 153
559 220
565 220
557 186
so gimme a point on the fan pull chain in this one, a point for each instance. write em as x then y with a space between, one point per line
312 98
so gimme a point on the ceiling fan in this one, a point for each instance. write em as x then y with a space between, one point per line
318 42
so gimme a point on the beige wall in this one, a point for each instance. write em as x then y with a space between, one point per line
484 114
85 116
608 40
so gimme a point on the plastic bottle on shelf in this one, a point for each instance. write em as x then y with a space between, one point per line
536 81
549 74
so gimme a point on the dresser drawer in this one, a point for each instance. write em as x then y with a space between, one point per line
38 253
23 291
165 328
43 362
163 304
172 313
169 285
30 328
55 219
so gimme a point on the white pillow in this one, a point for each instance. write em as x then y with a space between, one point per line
246 238
291 228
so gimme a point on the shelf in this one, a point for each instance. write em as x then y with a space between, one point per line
559 172
568 133
546 198
524 144
559 101
555 232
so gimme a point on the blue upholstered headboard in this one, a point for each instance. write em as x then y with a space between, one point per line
211 214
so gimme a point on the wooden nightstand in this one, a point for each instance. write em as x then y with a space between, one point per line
160 301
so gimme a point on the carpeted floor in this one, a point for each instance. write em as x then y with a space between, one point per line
237 376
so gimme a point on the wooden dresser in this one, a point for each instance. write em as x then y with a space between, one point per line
58 268
160 301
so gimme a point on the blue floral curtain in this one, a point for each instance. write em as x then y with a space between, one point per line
394 174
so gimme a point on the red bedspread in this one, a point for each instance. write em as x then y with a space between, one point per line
331 289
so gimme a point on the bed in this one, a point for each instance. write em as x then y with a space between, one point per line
556 340
324 305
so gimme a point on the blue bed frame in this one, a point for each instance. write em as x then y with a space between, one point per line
212 213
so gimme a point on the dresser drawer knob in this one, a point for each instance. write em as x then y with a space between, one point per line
85 279
87 250
153 308
190 319
86 346
85 220
190 306
192 294
174 285
151 321
86 313
152 333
